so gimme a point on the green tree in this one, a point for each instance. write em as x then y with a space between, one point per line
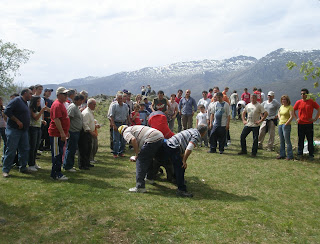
309 71
11 58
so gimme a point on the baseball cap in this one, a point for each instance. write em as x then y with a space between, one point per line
48 89
122 128
270 93
61 90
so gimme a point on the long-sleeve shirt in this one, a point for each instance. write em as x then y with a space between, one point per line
88 120
18 108
185 106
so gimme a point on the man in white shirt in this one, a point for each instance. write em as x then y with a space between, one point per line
252 123
85 141
205 101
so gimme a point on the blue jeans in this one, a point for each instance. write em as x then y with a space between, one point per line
34 142
284 134
4 138
234 110
245 132
219 135
118 141
72 147
16 139
56 152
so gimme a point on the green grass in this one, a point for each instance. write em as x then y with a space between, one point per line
237 199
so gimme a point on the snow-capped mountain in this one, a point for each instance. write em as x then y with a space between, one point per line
269 72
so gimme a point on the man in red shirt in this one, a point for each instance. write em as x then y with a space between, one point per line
255 91
58 132
210 93
158 120
245 96
305 122
178 98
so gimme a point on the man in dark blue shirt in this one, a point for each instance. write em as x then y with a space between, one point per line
18 114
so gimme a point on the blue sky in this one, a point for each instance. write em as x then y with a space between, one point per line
74 39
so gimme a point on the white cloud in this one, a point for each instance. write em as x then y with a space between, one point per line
73 39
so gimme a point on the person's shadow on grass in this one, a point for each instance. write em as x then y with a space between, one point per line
201 190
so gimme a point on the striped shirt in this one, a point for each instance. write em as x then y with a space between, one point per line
143 134
183 138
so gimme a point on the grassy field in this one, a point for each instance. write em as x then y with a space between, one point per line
237 199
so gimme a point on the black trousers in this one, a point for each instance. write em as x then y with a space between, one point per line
305 131
85 146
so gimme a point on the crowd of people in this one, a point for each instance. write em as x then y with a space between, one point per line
260 115
30 122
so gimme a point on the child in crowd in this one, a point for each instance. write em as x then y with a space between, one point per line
202 119
144 114
135 115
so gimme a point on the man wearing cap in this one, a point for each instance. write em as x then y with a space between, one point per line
146 142
58 132
271 106
18 123
119 115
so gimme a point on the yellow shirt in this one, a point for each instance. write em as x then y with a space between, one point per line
284 112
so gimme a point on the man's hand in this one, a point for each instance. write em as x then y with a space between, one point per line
184 164
63 137
257 122
94 135
245 122
19 123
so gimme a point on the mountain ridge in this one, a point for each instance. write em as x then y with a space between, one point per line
235 72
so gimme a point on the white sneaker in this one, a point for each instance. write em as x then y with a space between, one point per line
62 178
135 189
71 170
93 161
32 168
37 166
5 175
229 142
